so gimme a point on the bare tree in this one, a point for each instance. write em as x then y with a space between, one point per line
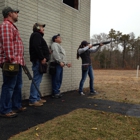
111 55
124 40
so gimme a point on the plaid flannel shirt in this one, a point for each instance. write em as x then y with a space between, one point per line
11 46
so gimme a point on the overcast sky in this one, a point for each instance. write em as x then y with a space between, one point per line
120 15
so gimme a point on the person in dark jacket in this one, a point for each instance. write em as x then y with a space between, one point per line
39 53
84 51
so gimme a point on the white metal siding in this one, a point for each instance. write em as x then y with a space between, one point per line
72 24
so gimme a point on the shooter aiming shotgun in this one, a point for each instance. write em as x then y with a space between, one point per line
30 77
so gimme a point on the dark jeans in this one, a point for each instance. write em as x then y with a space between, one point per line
11 95
57 80
88 72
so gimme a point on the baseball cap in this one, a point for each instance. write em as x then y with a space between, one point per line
84 43
54 37
6 11
40 24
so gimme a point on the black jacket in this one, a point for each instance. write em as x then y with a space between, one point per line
38 48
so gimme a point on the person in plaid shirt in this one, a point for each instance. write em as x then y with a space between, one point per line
11 51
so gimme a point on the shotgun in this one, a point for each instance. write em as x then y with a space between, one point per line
30 78
104 43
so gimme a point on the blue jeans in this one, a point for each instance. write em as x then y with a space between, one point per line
11 94
37 77
88 72
57 79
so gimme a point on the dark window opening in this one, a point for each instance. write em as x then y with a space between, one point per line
72 3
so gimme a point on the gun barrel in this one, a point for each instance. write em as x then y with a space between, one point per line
96 44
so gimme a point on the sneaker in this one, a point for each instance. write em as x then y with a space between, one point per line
81 93
56 96
42 101
9 115
94 93
37 103
60 95
22 109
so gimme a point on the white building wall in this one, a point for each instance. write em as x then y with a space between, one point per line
2 4
73 26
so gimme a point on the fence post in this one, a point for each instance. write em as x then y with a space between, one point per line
137 71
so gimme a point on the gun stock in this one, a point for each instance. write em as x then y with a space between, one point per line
27 72
30 78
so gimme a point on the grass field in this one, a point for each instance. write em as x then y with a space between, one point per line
87 124
118 85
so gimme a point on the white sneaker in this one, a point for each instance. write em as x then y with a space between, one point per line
81 93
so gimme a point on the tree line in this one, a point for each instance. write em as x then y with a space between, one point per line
123 53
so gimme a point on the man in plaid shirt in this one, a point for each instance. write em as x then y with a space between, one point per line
11 51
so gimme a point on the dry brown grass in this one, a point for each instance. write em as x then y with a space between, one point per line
117 85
